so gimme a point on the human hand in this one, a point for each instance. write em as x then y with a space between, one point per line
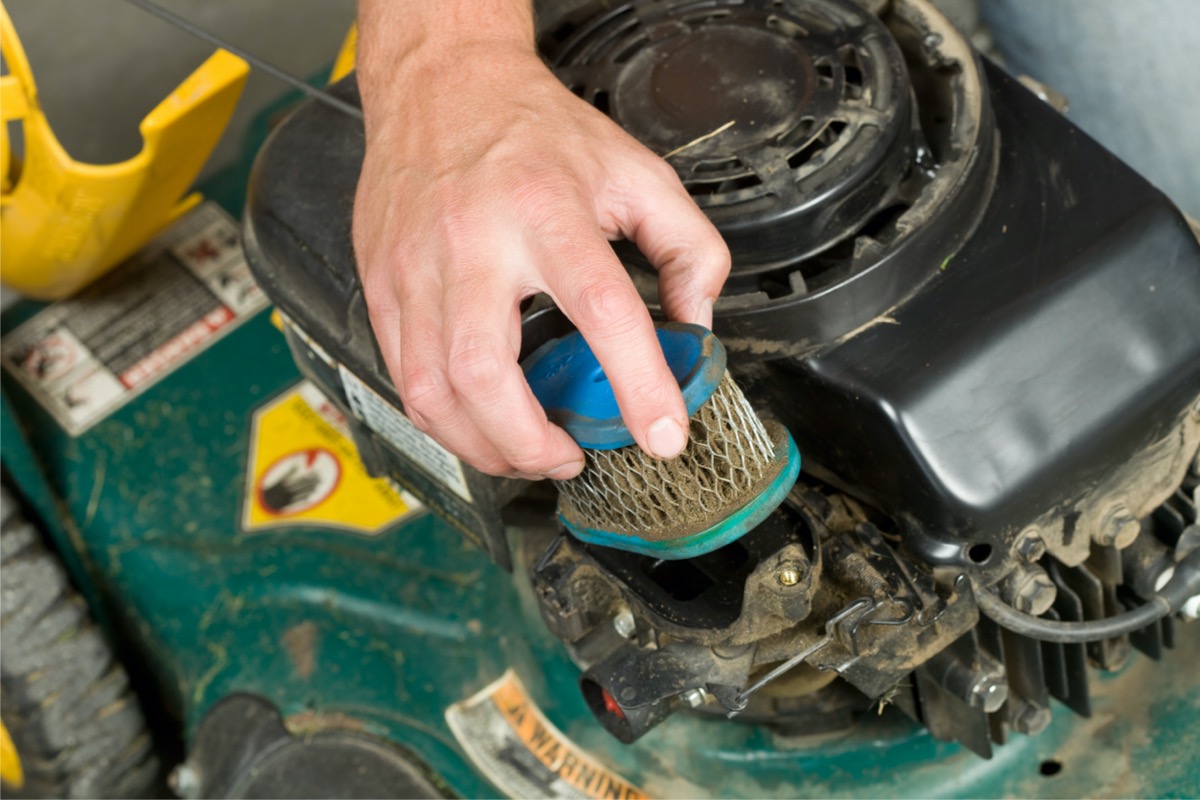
485 182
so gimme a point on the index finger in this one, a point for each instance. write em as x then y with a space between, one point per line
597 295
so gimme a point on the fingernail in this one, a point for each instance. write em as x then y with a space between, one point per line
704 313
566 471
666 438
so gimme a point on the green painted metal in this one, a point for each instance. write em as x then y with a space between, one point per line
385 632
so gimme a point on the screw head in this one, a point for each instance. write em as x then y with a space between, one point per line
1030 545
694 698
1036 594
1118 527
1032 720
789 575
624 623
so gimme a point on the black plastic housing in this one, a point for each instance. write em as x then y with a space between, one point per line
1061 338
297 241
1060 341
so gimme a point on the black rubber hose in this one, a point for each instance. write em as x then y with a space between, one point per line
1183 585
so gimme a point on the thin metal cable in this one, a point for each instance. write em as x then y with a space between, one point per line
179 22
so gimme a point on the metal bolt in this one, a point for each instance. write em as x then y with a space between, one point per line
694 698
1118 527
1032 591
990 692
1032 720
624 623
790 574
1030 545
185 781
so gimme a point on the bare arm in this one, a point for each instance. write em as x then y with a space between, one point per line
485 182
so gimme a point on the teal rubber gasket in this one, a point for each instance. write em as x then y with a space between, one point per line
728 530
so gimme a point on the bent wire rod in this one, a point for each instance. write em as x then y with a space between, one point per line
863 604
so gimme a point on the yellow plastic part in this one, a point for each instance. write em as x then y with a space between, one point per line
343 65
64 223
11 773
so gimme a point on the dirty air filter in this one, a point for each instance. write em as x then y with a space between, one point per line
735 470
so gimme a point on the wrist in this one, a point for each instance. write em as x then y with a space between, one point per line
411 42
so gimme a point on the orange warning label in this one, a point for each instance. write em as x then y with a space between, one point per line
523 754
304 470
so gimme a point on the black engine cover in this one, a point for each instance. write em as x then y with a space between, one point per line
1061 338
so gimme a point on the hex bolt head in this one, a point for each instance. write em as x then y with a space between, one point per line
694 698
1035 593
1032 720
790 574
624 623
1118 527
1030 546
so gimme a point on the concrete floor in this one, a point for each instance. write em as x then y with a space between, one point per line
102 65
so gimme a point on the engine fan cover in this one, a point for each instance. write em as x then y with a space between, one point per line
826 147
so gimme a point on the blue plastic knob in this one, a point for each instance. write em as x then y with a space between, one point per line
570 384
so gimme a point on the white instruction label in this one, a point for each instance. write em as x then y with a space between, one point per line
390 423
84 357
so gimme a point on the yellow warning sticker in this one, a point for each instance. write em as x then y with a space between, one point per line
304 470
508 738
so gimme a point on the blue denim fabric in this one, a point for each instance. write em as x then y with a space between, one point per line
1130 70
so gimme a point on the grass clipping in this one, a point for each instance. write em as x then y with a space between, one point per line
701 139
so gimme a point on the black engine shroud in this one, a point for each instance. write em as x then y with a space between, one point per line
983 333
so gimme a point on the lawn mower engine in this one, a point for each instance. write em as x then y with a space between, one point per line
979 327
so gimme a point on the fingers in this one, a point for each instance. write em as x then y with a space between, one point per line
411 342
456 370
680 241
482 341
593 290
